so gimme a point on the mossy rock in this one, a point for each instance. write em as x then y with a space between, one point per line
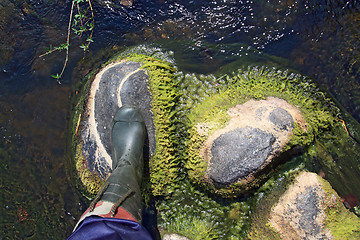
133 79
316 108
308 209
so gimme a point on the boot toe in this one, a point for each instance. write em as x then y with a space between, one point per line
128 114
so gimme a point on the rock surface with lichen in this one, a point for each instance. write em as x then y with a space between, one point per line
254 137
120 83
127 79
300 212
308 209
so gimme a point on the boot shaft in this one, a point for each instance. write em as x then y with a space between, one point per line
128 137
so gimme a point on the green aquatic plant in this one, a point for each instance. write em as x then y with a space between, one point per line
86 182
194 228
255 83
190 212
82 24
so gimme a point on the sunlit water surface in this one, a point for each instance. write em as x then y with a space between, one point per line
318 38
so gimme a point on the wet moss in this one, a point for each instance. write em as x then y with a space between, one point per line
336 153
81 176
90 183
164 164
190 212
342 223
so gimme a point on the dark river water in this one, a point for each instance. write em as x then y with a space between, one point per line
318 38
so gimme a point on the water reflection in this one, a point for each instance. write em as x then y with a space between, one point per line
320 37
330 52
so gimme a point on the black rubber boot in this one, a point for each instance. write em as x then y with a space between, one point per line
128 136
120 196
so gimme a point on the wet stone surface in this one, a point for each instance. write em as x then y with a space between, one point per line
238 153
282 119
254 138
306 204
118 84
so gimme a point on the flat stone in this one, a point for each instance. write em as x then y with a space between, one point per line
281 118
122 83
238 153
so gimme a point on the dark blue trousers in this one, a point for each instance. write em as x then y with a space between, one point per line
96 228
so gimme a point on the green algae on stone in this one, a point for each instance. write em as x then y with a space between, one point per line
190 212
163 164
90 181
256 83
337 154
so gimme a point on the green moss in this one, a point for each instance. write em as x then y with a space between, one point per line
256 83
268 195
90 182
337 155
193 228
342 223
191 212
85 181
164 164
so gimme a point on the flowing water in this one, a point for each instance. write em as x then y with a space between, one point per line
319 38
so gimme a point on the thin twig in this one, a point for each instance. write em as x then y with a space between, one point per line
48 52
92 12
98 196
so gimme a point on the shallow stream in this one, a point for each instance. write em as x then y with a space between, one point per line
318 38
